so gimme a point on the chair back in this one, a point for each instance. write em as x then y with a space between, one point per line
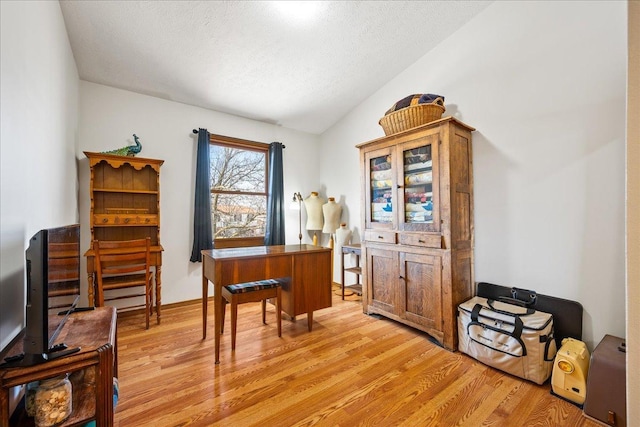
121 257
124 264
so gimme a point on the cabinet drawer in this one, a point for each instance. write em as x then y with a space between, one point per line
125 219
421 239
380 236
356 250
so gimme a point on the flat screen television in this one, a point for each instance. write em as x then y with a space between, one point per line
53 290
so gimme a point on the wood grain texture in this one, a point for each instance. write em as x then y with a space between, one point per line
351 370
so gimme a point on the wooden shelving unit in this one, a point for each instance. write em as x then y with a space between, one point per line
356 269
125 204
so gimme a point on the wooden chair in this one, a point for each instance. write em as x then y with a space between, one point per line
124 264
260 290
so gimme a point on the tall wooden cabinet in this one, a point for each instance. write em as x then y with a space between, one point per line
418 226
125 204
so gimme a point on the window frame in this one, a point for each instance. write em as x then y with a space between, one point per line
242 144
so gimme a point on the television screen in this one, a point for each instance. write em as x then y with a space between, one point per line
63 285
53 288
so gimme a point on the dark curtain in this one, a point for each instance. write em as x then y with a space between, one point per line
202 232
274 232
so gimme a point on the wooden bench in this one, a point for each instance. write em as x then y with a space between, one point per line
260 290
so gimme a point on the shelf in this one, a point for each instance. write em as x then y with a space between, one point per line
115 161
354 270
114 190
357 287
84 408
123 225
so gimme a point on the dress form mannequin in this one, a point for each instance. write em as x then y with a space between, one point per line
343 235
313 205
331 212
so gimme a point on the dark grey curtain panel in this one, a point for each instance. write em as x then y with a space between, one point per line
202 230
274 232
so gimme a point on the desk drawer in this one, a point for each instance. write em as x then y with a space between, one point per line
421 239
125 219
380 236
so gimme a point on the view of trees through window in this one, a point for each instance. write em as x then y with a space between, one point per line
238 191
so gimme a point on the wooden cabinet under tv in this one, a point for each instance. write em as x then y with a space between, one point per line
94 332
125 204
418 226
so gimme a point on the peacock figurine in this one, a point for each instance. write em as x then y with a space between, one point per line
130 150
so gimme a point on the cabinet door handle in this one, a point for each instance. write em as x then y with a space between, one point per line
126 220
421 241
380 237
399 186
105 220
401 277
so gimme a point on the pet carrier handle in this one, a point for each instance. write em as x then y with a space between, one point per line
529 310
521 297
529 297
513 301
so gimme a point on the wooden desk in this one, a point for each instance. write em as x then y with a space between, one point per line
156 262
95 333
307 270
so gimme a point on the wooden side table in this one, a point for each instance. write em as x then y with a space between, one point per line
357 269
95 333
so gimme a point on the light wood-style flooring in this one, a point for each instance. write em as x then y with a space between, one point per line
351 370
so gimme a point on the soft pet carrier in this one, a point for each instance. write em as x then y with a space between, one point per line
517 340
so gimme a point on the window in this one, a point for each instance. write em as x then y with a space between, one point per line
238 191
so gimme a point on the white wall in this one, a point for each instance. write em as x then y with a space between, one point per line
544 84
108 119
38 180
39 110
633 216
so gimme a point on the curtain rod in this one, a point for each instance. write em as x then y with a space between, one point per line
196 132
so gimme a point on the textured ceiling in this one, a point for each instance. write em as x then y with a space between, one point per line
250 59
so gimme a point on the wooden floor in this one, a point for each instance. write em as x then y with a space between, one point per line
351 370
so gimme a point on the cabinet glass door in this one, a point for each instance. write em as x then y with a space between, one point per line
419 178
380 210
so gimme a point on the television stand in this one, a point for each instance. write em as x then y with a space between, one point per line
91 336
55 352
75 310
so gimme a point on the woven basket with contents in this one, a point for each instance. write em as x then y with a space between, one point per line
412 111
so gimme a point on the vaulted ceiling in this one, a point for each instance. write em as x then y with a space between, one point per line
302 65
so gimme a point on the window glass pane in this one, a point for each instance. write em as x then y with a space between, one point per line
381 180
236 215
234 169
418 180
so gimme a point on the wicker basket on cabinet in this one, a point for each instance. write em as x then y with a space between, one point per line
412 116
